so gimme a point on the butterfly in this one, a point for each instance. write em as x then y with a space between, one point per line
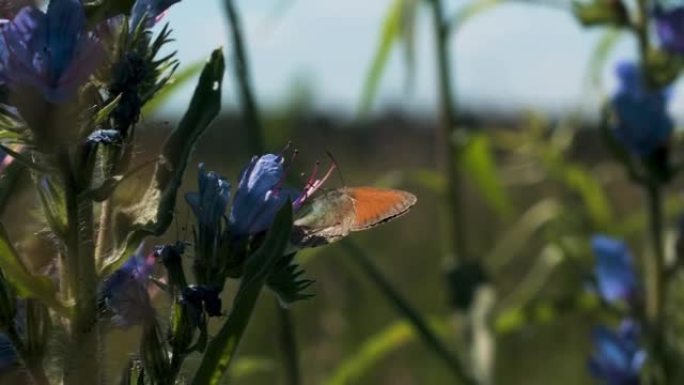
336 213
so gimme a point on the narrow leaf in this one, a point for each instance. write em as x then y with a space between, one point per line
154 213
221 350
418 322
390 32
179 79
478 160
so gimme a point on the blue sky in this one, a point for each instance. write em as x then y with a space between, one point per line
513 57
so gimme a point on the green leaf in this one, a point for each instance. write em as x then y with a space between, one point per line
54 206
179 79
247 366
26 284
287 283
592 193
390 32
221 350
663 67
601 13
478 161
104 112
371 352
600 55
377 347
428 178
154 213
514 241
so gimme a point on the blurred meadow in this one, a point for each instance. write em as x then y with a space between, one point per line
537 180
359 80
493 113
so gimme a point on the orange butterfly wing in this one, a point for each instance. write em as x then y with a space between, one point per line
373 206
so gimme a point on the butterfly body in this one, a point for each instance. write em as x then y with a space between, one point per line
336 213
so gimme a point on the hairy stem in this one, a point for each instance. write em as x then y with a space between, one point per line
82 364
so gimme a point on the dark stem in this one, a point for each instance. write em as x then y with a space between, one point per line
655 273
255 141
447 131
406 310
288 345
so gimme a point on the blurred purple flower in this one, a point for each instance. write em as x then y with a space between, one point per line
614 269
8 354
209 204
670 27
151 10
617 357
643 124
50 51
124 294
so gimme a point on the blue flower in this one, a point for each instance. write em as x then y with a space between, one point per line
259 195
124 296
209 204
643 124
670 27
617 358
614 269
51 51
151 10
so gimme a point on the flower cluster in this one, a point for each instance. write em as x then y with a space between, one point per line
259 195
643 124
618 357
223 228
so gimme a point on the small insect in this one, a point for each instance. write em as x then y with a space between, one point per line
336 213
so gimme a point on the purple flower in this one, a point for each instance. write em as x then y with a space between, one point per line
670 27
643 124
617 358
51 51
614 269
124 294
259 195
151 10
209 204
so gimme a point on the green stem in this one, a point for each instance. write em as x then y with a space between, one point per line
251 113
447 130
82 366
655 262
221 351
288 345
655 281
412 315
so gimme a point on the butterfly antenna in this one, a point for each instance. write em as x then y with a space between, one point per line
335 166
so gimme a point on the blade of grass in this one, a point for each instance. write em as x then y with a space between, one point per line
421 326
221 350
